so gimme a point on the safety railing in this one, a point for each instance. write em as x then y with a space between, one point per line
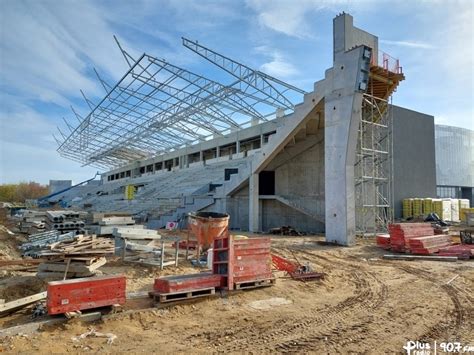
387 62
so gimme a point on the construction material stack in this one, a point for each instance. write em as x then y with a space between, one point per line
383 241
442 207
32 222
417 207
429 245
407 210
67 255
105 223
66 221
454 210
401 233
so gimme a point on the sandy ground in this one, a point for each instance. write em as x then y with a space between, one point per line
364 305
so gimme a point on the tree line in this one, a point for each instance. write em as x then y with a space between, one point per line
22 191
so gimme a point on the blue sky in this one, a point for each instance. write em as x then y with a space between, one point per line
48 49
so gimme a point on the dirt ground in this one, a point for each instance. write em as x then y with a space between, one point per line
365 304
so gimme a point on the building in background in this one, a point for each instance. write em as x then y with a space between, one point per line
454 162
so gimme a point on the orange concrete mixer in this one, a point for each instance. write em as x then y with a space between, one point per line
207 226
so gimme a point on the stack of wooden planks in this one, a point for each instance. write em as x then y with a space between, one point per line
401 233
429 244
383 241
70 267
80 257
462 251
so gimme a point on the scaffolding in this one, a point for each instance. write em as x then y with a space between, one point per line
374 157
157 107
373 168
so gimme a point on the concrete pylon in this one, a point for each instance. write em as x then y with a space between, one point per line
343 107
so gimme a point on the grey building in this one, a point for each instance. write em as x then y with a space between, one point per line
454 162
414 168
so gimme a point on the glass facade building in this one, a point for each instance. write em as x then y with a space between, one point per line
454 162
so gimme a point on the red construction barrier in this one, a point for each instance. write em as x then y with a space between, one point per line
85 293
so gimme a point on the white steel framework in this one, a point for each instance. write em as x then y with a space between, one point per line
157 107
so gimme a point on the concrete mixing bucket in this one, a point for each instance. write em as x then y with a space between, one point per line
207 226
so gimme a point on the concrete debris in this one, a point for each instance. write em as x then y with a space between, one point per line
92 332
269 303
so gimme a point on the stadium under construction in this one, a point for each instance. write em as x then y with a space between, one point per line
333 160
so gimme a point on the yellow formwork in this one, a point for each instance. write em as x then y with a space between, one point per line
407 208
427 206
417 207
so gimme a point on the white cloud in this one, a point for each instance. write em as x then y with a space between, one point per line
278 66
291 17
283 16
411 44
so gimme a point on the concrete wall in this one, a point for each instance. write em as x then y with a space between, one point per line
414 167
276 214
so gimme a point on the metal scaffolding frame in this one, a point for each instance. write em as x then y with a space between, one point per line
374 167
158 107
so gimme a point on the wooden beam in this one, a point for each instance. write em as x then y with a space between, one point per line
8 307
420 257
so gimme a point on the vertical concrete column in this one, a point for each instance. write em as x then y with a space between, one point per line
201 155
254 213
342 114
261 140
218 152
237 146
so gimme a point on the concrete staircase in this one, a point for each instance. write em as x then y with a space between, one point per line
295 204
188 204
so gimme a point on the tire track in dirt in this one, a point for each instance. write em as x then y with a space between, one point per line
455 326
299 333
337 337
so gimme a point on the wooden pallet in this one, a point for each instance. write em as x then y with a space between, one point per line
254 284
185 295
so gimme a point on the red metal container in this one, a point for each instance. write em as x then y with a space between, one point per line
252 260
183 283
207 226
242 260
85 293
